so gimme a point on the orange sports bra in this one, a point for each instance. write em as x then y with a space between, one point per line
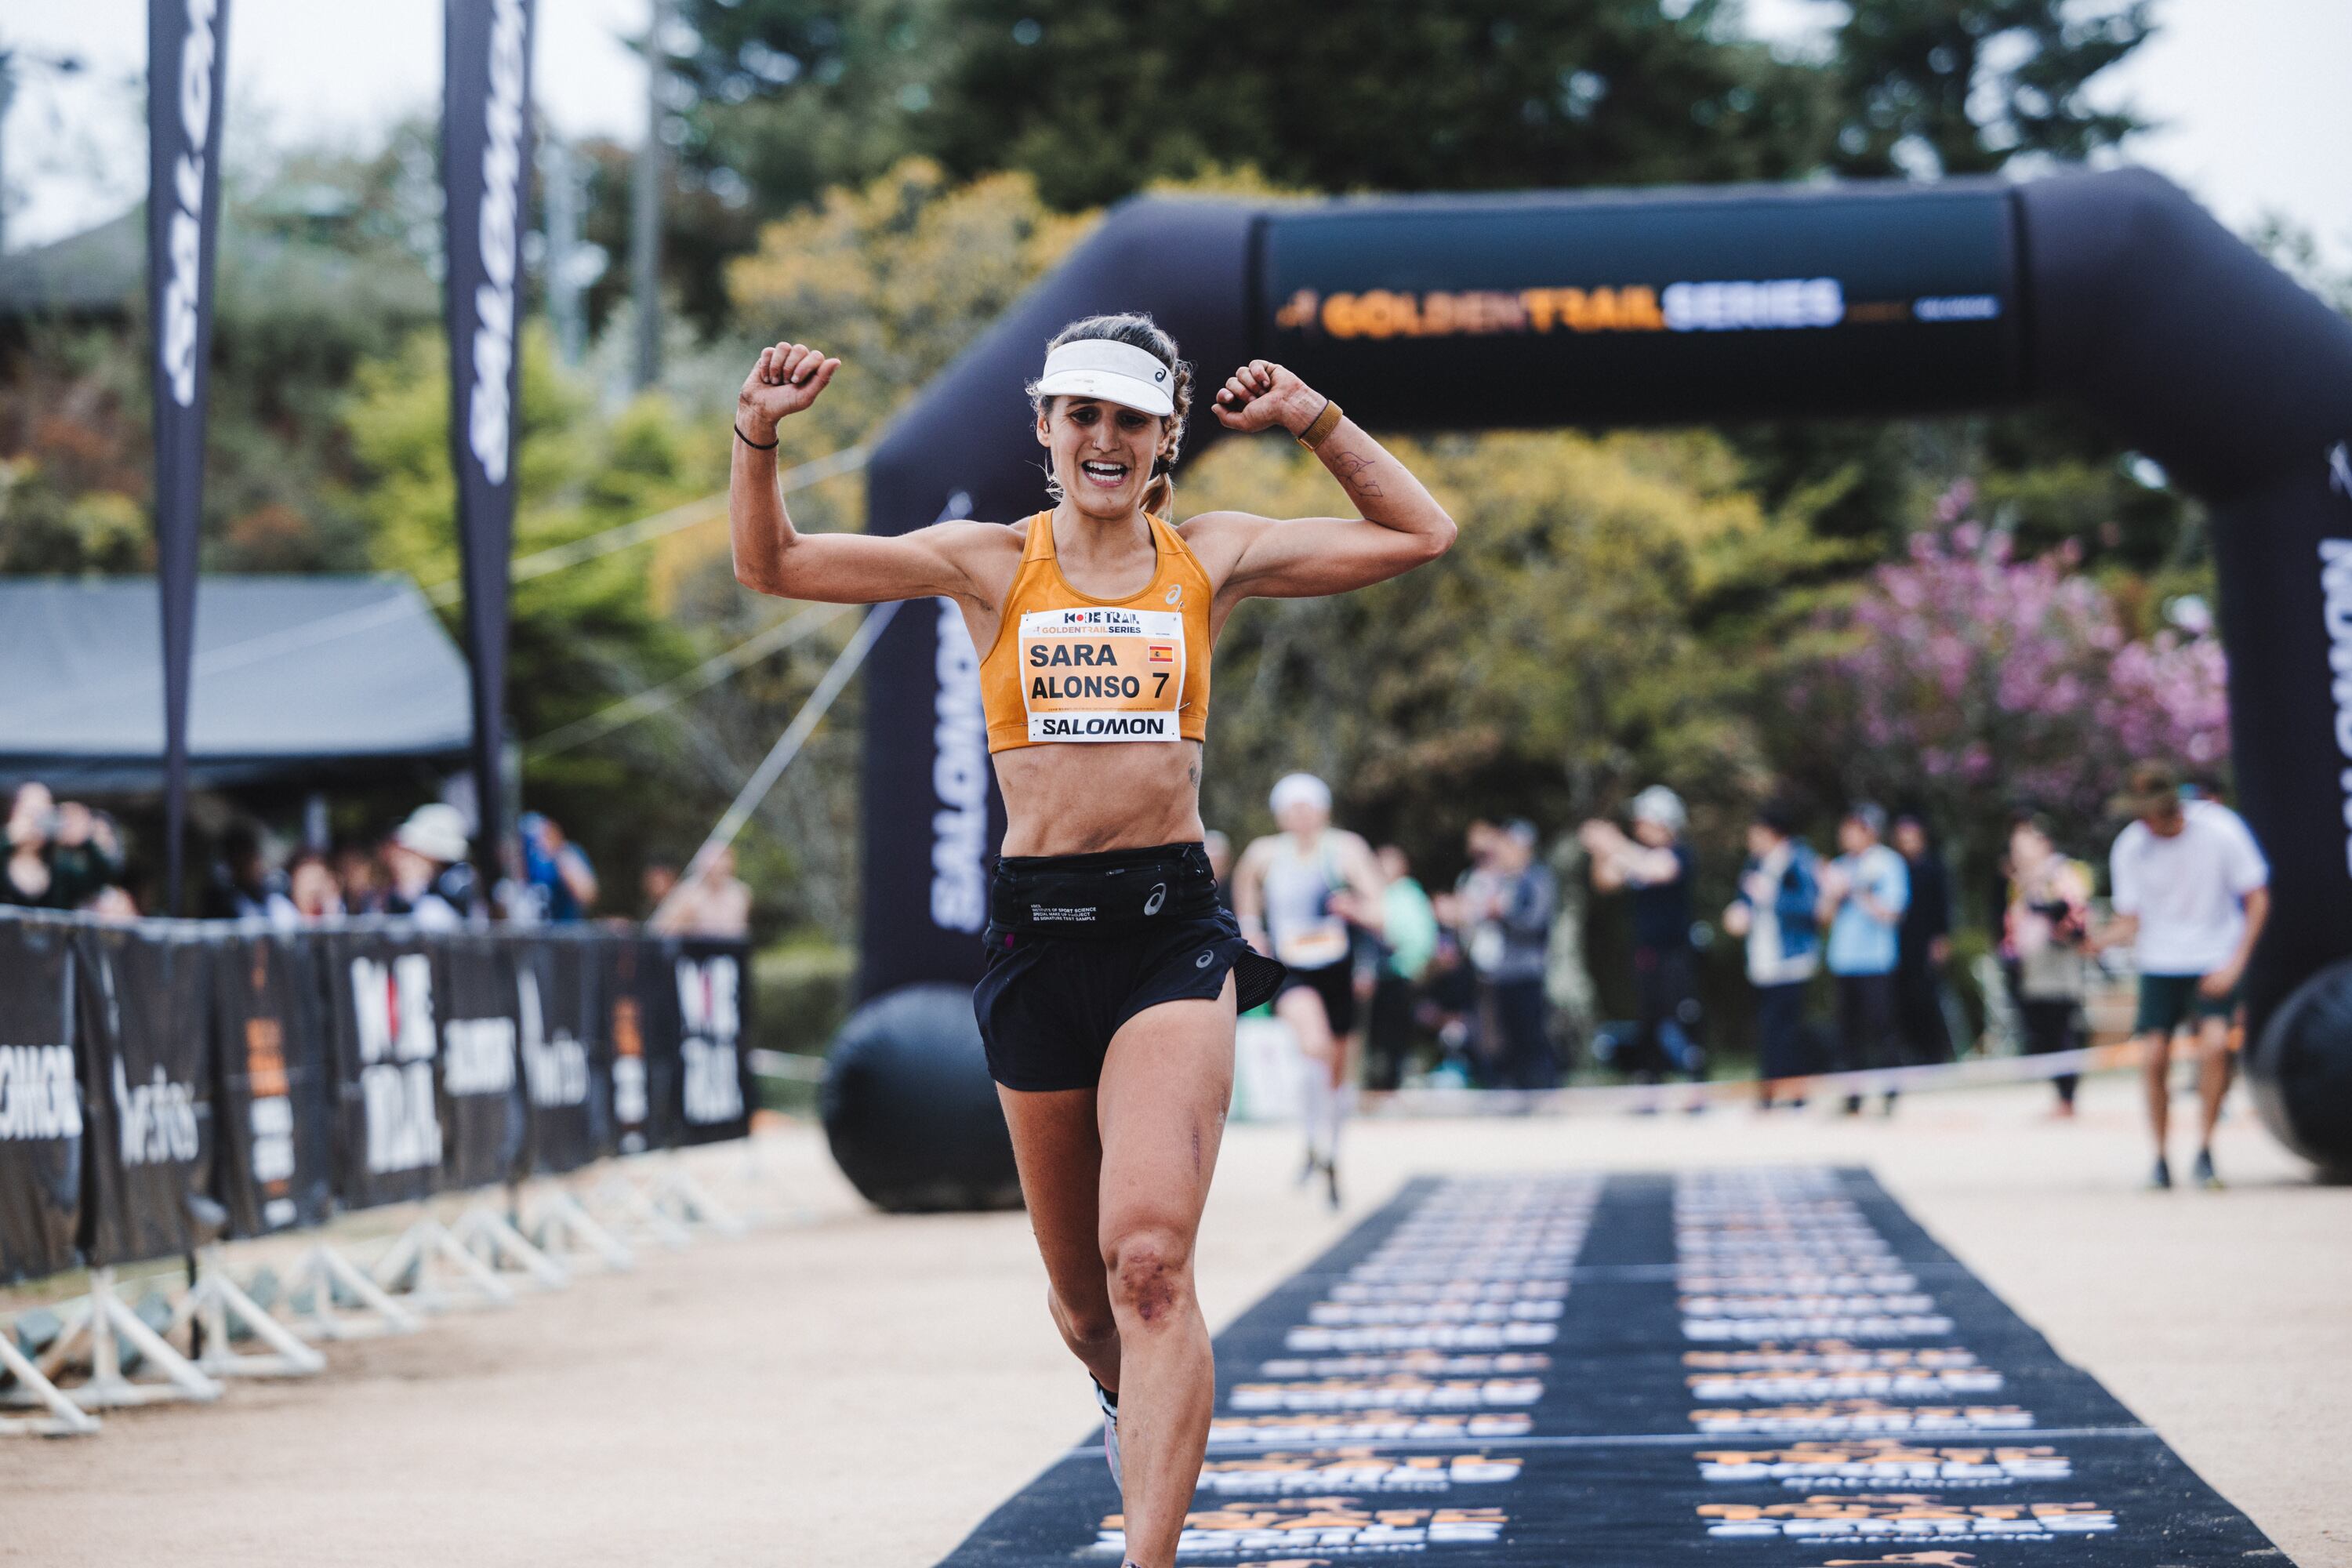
1066 666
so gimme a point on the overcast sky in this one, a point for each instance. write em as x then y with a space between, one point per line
2252 96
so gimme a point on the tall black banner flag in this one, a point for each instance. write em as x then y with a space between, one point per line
485 170
187 51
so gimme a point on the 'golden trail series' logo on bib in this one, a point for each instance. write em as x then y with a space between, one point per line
1103 674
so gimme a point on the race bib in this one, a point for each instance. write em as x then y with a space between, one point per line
1318 946
1102 674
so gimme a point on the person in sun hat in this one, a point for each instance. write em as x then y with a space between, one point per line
432 883
1108 1006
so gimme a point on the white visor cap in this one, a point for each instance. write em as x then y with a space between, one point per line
1300 789
1114 372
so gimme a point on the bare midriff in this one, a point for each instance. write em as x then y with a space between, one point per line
1116 795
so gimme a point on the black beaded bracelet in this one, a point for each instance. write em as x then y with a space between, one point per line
756 445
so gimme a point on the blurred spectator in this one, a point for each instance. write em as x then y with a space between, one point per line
708 901
112 904
2044 921
1449 1001
310 884
1409 941
2192 895
561 882
60 854
655 884
1774 909
360 878
87 855
431 882
26 878
244 885
1221 865
1509 905
1657 866
1864 894
1924 944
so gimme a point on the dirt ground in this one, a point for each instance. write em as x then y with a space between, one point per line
844 1388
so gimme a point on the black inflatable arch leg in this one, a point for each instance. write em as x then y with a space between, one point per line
2301 1071
910 1110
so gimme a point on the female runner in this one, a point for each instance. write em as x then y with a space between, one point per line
1113 977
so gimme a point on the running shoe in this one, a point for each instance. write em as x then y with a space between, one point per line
1107 1402
1331 1181
2160 1179
2205 1178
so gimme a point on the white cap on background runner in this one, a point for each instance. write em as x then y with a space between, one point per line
1300 789
1115 371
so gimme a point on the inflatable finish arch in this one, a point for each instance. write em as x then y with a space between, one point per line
2112 289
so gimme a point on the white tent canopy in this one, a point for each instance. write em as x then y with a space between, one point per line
294 676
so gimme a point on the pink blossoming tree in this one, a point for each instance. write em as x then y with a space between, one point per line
1972 681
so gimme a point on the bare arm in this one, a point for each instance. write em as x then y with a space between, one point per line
773 557
1619 861
1361 901
1402 525
1249 893
2224 980
2120 931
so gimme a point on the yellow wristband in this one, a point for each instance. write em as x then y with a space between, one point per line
1319 431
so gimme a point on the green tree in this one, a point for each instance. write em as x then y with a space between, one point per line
1961 87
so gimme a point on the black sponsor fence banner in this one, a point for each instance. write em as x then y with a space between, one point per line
40 1100
382 1021
641 1025
187 56
146 1070
284 1074
481 1105
273 1116
1765 1369
485 172
714 1074
566 1068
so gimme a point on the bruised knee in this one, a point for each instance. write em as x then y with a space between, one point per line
1150 1269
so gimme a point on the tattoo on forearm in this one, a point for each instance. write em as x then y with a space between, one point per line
1350 472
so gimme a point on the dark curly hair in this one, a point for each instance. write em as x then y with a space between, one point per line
1140 331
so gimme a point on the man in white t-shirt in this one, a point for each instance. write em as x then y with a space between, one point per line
2191 891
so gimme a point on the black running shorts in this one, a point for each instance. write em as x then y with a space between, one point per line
1077 944
1336 984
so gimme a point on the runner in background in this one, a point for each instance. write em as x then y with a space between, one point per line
2045 923
2191 893
1409 944
1298 893
1656 866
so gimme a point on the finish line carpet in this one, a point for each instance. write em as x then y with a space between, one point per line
1760 1369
